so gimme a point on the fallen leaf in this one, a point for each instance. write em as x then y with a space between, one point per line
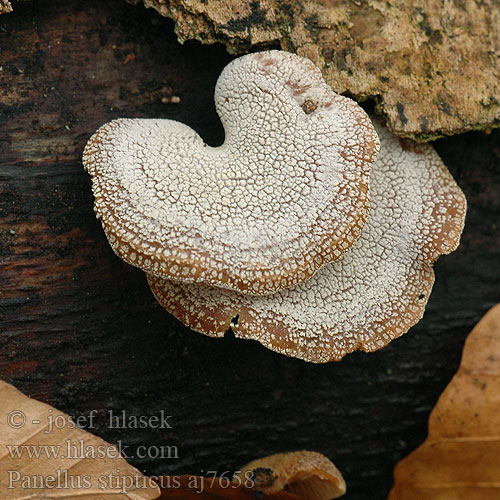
461 457
43 454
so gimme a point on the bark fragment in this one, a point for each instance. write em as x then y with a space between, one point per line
431 66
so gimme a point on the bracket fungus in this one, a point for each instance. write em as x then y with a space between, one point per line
307 474
374 293
284 194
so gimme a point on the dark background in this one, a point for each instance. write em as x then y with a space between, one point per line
80 330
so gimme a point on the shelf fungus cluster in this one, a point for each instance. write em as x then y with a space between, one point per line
304 230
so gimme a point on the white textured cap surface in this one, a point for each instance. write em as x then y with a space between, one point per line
285 193
374 293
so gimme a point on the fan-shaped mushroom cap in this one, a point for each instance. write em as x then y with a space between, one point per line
308 474
285 193
373 294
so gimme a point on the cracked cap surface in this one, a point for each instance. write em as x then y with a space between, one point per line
374 293
285 193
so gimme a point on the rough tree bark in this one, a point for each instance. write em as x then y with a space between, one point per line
80 330
416 59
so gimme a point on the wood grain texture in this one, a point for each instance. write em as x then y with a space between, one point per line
80 330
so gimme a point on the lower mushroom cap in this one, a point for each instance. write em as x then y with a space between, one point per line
373 293
307 474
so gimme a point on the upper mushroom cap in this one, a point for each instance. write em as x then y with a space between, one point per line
374 293
285 193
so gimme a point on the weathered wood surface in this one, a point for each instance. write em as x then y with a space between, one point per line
80 330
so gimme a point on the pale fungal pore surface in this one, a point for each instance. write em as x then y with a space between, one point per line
307 474
374 293
286 192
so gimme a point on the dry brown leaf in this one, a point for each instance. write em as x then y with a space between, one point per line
417 59
26 427
461 457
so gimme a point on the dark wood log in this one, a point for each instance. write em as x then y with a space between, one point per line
79 329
